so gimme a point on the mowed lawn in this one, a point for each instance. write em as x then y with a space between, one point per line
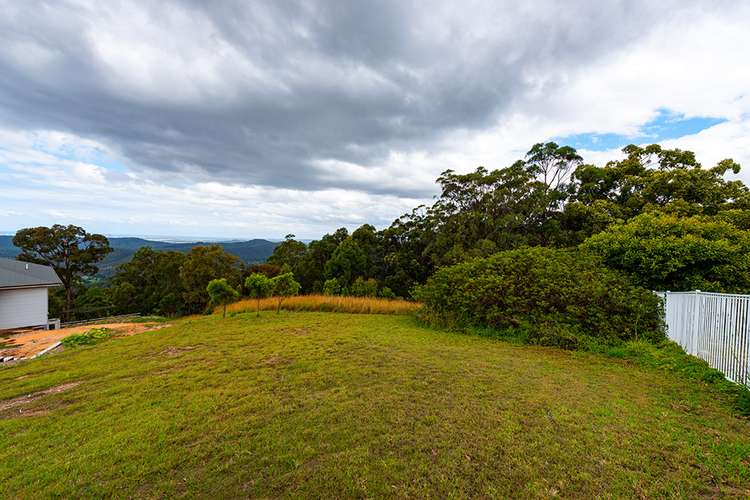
337 405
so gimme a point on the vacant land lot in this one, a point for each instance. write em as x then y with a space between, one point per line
27 343
330 405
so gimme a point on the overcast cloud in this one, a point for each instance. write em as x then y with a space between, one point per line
248 119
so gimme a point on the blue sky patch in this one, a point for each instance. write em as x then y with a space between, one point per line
666 125
74 152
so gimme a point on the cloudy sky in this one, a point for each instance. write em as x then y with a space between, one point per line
256 119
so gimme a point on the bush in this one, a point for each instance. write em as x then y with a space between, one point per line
221 293
364 288
331 287
284 285
90 337
666 252
545 296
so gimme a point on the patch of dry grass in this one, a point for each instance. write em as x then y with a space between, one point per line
329 303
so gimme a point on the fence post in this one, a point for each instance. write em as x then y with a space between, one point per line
696 324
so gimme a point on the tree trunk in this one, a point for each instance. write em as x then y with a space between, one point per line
257 307
68 301
224 314
278 307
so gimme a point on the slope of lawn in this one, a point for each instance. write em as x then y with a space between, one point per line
337 405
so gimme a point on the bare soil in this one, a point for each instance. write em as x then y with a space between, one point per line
25 344
17 404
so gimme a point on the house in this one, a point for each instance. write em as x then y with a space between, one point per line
23 293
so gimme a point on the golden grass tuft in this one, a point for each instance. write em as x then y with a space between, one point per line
329 303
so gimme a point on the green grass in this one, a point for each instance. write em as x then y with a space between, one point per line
338 405
146 319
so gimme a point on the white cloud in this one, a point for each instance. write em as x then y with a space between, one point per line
47 189
692 62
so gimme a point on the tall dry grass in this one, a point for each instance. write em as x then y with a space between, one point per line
329 303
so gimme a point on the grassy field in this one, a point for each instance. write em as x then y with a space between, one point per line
339 405
327 303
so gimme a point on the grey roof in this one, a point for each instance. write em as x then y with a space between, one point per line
17 274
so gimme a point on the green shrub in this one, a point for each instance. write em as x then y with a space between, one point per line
331 287
667 252
364 288
90 337
284 285
545 296
221 294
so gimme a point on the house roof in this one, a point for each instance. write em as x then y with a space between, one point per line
17 274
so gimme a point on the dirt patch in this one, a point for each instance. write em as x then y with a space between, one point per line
17 404
28 343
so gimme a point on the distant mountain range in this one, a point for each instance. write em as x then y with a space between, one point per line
252 251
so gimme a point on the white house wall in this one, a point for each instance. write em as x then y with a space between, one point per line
23 307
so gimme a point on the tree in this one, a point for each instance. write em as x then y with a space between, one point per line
364 288
201 265
480 213
221 294
268 270
70 250
289 252
258 287
370 242
668 252
284 285
331 287
125 298
552 164
670 180
346 262
310 270
149 283
93 302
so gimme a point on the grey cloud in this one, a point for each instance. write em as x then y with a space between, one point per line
347 81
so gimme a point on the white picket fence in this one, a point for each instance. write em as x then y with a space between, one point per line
714 327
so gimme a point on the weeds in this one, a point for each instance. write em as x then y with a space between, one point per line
668 355
329 303
90 337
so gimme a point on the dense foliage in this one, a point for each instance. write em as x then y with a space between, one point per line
258 286
552 297
202 265
668 252
150 283
550 198
282 286
70 250
221 294
655 214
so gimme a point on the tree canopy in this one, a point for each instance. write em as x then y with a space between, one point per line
70 250
258 287
221 294
203 264
550 198
669 252
656 214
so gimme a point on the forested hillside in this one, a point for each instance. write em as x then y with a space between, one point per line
656 216
250 252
